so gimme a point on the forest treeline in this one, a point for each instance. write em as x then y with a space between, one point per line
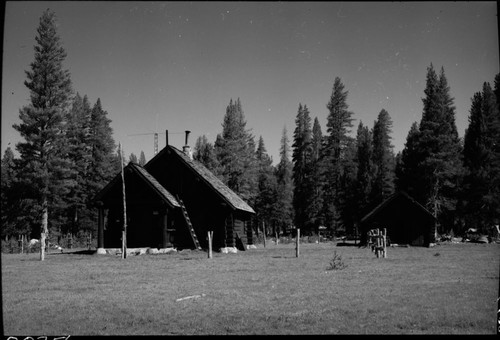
331 178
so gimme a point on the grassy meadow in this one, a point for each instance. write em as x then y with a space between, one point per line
447 289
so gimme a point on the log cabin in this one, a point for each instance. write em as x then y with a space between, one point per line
173 201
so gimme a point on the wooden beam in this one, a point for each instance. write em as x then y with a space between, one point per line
124 231
165 240
100 228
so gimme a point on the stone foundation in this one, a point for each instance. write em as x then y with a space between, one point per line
134 251
227 250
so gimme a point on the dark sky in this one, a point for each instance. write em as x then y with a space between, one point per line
176 65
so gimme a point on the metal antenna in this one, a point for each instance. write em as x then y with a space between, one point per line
155 135
156 143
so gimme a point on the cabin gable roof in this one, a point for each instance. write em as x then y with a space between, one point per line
147 178
390 200
214 183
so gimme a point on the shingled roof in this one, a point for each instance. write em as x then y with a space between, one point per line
148 179
166 195
229 196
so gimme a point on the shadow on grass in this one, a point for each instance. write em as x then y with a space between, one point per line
347 244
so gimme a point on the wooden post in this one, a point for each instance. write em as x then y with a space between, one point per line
276 234
356 234
20 243
264 232
297 250
100 228
124 231
210 236
377 244
385 242
165 240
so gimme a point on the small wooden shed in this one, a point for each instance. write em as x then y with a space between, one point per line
160 195
406 221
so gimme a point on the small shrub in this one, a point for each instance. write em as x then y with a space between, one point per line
311 239
336 263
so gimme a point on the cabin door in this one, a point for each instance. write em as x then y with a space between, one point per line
163 230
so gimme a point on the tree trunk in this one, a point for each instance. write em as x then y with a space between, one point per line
44 228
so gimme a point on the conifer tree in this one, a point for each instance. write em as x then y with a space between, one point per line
105 160
7 192
20 211
407 178
432 165
284 214
349 210
44 150
481 192
301 157
365 173
317 180
142 159
133 158
78 136
339 123
383 159
266 195
235 152
441 149
204 153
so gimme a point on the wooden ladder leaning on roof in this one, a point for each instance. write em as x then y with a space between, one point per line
189 224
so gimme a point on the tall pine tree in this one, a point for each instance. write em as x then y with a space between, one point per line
302 159
44 150
365 173
480 193
235 152
383 159
266 190
284 214
78 135
105 160
432 164
335 156
316 182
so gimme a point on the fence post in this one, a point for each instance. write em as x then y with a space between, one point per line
210 233
20 243
377 247
297 250
264 232
89 240
385 243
